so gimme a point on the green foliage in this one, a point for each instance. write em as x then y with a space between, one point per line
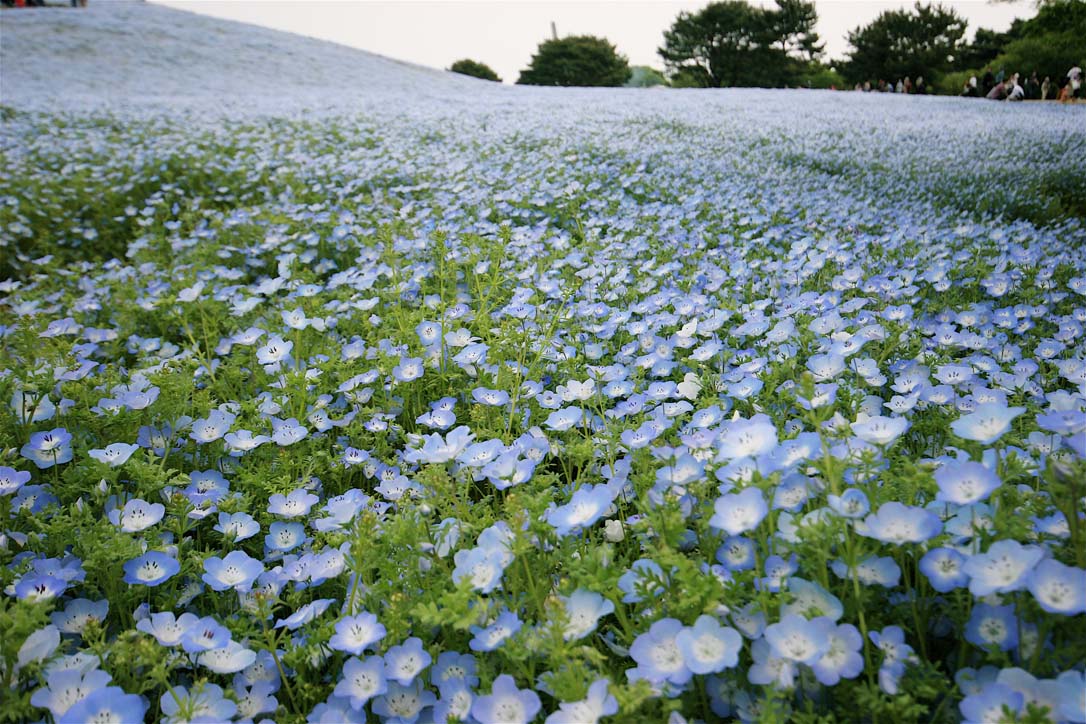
475 69
578 60
642 76
734 43
905 43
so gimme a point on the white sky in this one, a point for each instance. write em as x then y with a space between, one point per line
504 33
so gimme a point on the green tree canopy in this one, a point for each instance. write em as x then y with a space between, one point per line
734 43
904 43
475 69
578 60
642 76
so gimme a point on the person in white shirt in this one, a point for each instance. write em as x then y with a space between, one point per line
1075 76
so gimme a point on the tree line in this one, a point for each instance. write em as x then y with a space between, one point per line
733 43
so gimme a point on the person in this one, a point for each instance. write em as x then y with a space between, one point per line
908 85
900 87
1046 88
1065 93
1033 87
987 82
969 90
1016 92
998 92
920 89
1075 77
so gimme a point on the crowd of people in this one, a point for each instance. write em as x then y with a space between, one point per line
903 85
998 87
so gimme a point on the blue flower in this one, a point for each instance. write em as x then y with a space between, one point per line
11 479
965 482
491 637
237 570
658 656
747 438
204 635
283 537
943 568
305 614
482 566
987 423
707 647
1003 568
406 661
206 703
108 704
737 513
1058 588
47 449
361 680
409 368
136 515
880 430
988 705
65 688
150 569
293 505
237 526
211 428
287 432
852 503
598 704
506 704
844 658
587 505
992 626
796 639
114 455
584 609
896 523
354 634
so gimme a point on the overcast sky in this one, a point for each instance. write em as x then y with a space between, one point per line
504 33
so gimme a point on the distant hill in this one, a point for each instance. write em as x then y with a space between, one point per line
133 53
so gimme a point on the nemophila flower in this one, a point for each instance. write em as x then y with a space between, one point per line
564 419
429 333
965 482
871 571
896 523
287 432
452 667
844 658
47 449
237 526
354 634
108 705
987 423
11 479
30 408
1058 588
204 635
483 567
658 656
114 455
292 505
150 569
737 513
506 704
136 515
766 669
944 569
800 640
274 351
284 537
491 398
1003 568
65 688
228 659
776 570
585 507
736 554
598 704
242 441
989 703
237 570
335 710
362 680
78 614
211 428
992 626
852 503
811 600
584 609
305 614
206 703
437 450
707 647
747 438
167 629
403 702
409 368
493 636
880 430
255 699
406 661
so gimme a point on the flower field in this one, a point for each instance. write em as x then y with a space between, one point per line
558 406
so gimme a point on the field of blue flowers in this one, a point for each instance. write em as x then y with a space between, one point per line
570 410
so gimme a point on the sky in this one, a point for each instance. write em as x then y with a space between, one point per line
505 33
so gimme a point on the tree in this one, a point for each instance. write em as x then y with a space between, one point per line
903 43
734 43
475 69
642 76
577 60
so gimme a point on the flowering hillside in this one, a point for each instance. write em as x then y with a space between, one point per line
412 399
